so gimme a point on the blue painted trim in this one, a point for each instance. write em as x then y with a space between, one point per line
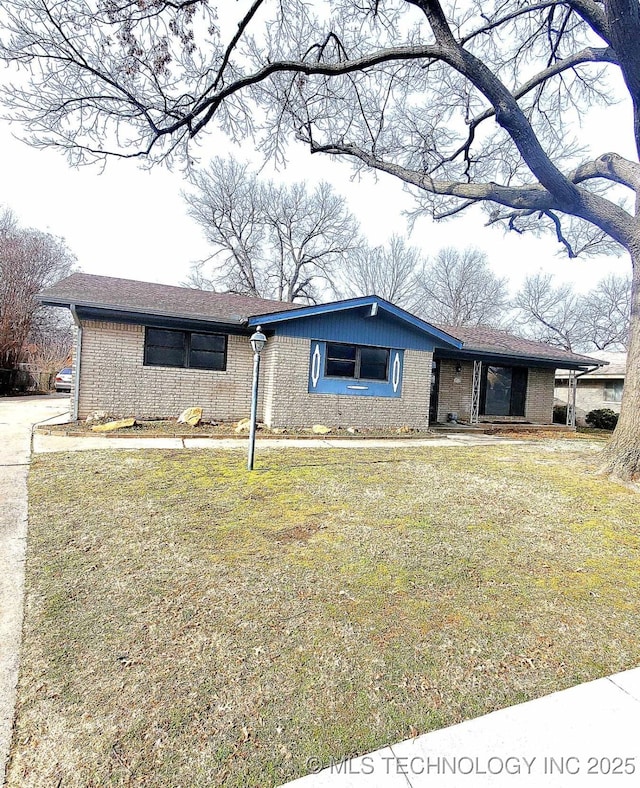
354 303
319 383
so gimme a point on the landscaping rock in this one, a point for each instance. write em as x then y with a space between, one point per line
192 416
320 429
97 417
110 426
242 426
352 430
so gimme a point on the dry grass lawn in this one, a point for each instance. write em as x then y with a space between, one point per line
188 624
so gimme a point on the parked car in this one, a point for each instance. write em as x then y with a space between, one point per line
63 380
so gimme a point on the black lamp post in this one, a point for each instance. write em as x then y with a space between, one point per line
258 341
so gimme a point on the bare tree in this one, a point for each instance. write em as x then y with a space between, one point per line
606 313
49 345
388 270
556 314
549 313
30 261
458 288
467 103
272 241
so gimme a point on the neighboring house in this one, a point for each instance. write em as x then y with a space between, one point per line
151 350
599 388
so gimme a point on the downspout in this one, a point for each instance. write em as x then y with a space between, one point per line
587 371
77 357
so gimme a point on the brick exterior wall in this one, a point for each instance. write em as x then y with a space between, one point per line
539 404
287 401
589 396
456 397
113 378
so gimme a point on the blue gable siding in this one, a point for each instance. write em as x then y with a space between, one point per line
356 327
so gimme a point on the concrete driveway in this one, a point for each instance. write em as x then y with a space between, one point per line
17 416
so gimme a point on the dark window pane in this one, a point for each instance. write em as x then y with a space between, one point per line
202 359
518 391
497 400
345 352
340 369
161 338
164 357
211 342
612 390
374 363
164 348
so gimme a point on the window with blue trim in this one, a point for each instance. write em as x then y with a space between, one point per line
357 362
355 370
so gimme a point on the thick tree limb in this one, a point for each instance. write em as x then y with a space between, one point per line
612 167
210 105
533 197
623 17
588 55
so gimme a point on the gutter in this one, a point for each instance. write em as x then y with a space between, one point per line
592 369
497 356
78 357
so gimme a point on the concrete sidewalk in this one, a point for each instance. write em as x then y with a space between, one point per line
17 415
54 443
588 735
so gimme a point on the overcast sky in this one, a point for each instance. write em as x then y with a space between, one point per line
128 222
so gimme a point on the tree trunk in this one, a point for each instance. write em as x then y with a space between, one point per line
622 454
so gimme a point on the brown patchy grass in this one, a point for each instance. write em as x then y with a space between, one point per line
188 623
169 428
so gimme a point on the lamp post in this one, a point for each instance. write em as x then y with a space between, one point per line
258 341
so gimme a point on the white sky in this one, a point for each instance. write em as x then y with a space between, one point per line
129 222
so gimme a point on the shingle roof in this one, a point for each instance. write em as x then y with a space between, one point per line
617 366
492 340
128 295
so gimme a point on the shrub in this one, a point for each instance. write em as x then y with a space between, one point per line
559 414
602 418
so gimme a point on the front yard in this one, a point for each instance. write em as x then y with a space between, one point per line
189 624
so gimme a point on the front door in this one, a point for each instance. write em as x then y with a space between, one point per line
435 387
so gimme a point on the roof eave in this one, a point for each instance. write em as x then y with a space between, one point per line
234 320
524 358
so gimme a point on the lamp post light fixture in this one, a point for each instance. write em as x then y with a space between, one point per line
258 341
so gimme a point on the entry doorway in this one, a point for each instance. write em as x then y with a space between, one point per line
435 388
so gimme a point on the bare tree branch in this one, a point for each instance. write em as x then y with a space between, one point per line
388 271
555 314
269 240
458 288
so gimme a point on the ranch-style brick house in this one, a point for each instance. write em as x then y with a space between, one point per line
151 350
